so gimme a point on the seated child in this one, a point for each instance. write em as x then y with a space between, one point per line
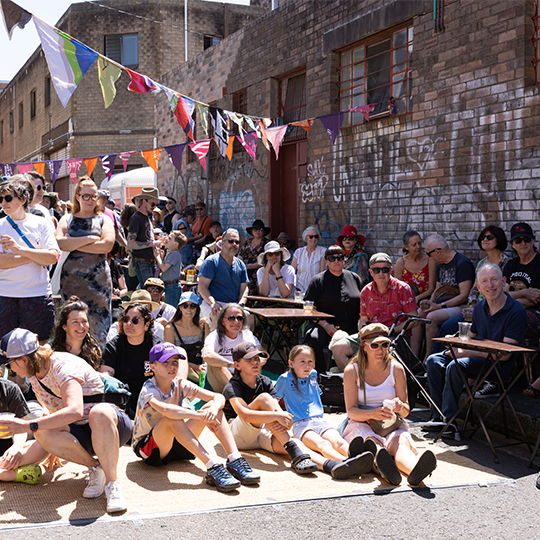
171 266
164 431
19 457
257 420
300 390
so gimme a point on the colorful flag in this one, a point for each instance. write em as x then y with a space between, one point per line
250 120
124 156
175 155
183 108
14 15
152 157
142 84
200 148
90 164
40 167
54 167
275 136
250 144
221 129
67 58
107 162
229 150
108 75
203 116
261 130
24 167
238 119
365 110
332 124
7 169
304 124
73 166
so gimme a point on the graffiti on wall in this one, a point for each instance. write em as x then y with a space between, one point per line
315 185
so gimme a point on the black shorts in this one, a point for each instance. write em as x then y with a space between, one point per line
147 449
83 433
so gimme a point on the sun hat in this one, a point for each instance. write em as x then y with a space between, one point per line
350 230
163 351
258 224
273 247
18 342
52 198
248 350
151 193
156 282
141 296
374 333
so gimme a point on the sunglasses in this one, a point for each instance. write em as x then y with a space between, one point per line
430 253
199 209
334 258
135 320
154 289
39 188
375 346
486 237
237 242
257 228
181 228
516 241
8 364
88 197
384 270
237 318
350 238
188 306
152 204
7 198
313 236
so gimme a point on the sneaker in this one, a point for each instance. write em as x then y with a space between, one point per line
96 483
435 424
242 471
116 502
28 474
220 477
489 391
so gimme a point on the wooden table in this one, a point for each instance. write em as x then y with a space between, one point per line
495 351
285 322
268 301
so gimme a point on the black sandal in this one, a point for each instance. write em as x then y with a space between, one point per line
302 464
387 467
425 465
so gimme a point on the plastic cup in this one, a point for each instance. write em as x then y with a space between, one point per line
298 296
308 306
4 429
424 304
467 314
389 404
464 328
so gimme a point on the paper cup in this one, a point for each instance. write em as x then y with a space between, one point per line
389 404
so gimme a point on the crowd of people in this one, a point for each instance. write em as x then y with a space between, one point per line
177 361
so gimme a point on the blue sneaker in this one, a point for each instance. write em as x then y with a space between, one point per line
219 477
242 471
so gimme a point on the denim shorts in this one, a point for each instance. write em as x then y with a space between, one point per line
316 423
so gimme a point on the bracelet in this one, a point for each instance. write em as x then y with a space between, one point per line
279 277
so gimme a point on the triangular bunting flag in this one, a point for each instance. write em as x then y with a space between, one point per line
221 130
24 167
142 84
108 75
275 136
304 124
14 16
124 156
54 167
73 166
238 119
392 106
90 164
261 130
7 169
175 155
152 157
365 110
40 167
107 162
250 144
229 151
183 108
332 124
200 148
250 121
203 116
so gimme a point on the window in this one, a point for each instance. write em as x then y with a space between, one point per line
11 121
373 71
33 104
210 41
21 115
47 91
239 105
292 103
123 49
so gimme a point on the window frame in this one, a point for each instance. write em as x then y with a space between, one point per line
12 121
33 104
295 133
21 114
2 136
120 37
215 41
361 81
239 105
47 91
536 44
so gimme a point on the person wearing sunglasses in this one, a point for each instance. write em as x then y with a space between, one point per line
380 302
356 259
231 329
223 277
252 248
88 235
25 253
371 382
39 189
140 239
308 261
336 292
275 279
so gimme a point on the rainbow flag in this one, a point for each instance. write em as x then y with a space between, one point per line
67 58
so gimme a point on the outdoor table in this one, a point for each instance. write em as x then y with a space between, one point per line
268 301
495 351
285 322
189 284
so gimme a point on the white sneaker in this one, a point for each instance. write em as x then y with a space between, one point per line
116 502
96 483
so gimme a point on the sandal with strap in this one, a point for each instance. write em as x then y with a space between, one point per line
302 464
532 392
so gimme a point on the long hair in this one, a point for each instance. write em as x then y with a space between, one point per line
361 361
128 211
37 359
90 350
85 181
197 321
295 351
146 314
220 327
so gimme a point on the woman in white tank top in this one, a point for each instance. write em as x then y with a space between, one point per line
372 377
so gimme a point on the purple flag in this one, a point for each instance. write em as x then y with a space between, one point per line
175 155
7 169
221 129
54 167
250 144
107 162
332 123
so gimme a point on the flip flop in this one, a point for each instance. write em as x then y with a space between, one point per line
425 465
302 464
29 474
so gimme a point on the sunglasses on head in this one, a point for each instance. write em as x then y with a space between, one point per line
430 253
237 318
384 270
126 319
516 241
188 306
237 242
334 258
313 236
7 198
87 197
375 346
486 237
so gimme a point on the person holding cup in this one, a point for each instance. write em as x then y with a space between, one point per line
275 279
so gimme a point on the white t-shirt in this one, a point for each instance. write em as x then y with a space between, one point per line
31 279
227 345
287 271
168 312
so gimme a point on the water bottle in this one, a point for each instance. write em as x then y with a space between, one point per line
202 375
190 274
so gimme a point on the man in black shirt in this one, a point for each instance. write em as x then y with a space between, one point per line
172 213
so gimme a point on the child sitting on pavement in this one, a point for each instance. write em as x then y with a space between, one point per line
165 431
257 420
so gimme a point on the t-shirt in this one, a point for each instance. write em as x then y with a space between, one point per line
338 296
168 312
225 279
459 269
130 363
11 400
201 226
30 279
174 258
66 367
288 275
141 226
237 388
114 218
302 396
523 276
226 345
146 417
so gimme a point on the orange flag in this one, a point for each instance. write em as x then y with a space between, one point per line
90 164
304 124
152 157
229 151
40 167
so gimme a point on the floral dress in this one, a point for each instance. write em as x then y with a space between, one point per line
249 256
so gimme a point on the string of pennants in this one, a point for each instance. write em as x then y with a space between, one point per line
69 60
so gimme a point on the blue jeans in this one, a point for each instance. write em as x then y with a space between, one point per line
144 270
449 327
173 293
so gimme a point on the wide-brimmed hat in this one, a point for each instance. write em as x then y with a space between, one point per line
18 342
374 333
150 193
258 224
350 230
273 247
141 296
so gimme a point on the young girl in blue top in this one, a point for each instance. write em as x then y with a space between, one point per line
300 390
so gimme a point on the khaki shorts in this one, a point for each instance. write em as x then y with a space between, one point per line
249 437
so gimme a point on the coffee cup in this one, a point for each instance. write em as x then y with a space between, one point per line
389 404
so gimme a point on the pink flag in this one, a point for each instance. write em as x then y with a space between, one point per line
24 167
364 109
152 157
250 144
124 156
275 136
73 166
107 162
142 84
201 149
332 124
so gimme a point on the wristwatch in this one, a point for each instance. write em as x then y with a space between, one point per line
33 427
443 305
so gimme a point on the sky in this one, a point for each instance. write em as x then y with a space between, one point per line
14 53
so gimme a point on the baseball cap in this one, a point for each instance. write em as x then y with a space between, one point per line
163 351
103 193
18 342
248 350
215 223
189 296
520 229
380 258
